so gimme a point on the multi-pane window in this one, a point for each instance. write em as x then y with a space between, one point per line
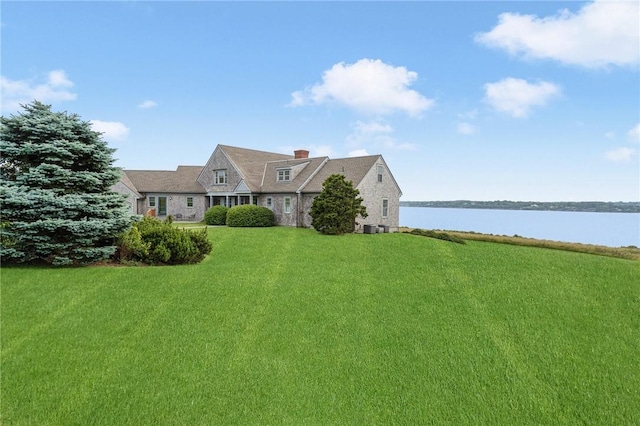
189 201
152 201
221 177
284 175
380 169
287 204
385 207
270 202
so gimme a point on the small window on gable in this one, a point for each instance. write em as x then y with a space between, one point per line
287 204
220 177
380 169
385 207
284 175
152 201
189 201
269 202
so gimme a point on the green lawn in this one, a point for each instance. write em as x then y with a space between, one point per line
285 326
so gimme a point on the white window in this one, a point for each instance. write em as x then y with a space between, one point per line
385 207
152 201
270 202
189 201
380 169
221 177
284 175
287 204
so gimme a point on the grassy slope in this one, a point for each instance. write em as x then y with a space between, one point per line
286 326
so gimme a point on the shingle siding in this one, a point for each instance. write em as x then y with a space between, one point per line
258 171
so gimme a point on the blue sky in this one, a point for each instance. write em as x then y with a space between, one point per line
465 100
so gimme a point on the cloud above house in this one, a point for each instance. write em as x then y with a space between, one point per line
517 97
375 135
465 128
51 87
621 155
367 86
147 104
112 131
634 134
602 33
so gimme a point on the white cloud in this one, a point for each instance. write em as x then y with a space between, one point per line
516 97
111 130
358 153
56 87
369 86
147 104
467 128
321 151
601 33
634 133
620 155
610 135
469 115
376 135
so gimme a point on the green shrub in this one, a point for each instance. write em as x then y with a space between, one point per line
216 215
250 216
437 235
155 242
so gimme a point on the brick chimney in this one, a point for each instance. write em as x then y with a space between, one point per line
301 153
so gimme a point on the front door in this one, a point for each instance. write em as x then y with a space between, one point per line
162 206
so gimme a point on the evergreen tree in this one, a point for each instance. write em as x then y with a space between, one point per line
56 174
335 209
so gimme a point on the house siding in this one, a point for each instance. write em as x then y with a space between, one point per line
219 161
373 192
251 173
282 218
177 205
130 200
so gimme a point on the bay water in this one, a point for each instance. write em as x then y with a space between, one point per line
607 229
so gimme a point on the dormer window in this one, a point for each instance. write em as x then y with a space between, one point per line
284 175
220 177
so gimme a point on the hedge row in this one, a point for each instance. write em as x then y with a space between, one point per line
247 215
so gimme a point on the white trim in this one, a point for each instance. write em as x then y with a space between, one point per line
385 216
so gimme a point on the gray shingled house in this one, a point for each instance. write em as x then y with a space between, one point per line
286 184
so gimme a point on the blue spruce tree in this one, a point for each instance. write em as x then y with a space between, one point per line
56 201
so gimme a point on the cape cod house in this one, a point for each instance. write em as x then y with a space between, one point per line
286 184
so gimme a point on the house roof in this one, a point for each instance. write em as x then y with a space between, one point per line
182 180
301 169
354 169
250 163
127 182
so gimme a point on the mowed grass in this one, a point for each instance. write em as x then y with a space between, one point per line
286 326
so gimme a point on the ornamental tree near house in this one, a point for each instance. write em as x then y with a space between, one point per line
56 174
335 209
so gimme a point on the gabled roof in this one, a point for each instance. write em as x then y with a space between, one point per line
354 169
250 163
182 180
127 182
302 169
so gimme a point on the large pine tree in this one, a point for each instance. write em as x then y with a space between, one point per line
335 209
55 189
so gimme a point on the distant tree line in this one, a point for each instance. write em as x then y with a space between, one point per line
563 206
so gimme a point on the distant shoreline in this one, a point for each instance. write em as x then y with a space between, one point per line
558 206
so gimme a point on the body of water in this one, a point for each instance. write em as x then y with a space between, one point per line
608 229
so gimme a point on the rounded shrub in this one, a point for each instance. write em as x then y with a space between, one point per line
216 215
155 242
250 216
